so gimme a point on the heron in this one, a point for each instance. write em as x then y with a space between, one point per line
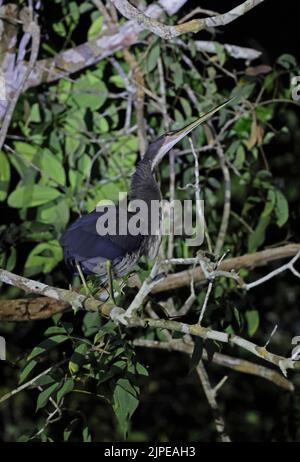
88 252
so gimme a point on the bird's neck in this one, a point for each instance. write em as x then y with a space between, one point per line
143 184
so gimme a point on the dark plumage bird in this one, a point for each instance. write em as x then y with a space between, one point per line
85 248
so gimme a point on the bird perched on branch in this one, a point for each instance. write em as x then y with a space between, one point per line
88 249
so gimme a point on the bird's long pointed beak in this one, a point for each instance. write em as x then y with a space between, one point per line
184 131
176 136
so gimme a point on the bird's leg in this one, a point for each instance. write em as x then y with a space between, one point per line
110 280
81 275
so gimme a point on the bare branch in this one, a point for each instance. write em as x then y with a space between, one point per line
211 398
31 381
139 97
195 25
129 317
32 30
236 364
31 309
287 266
237 52
227 200
68 61
44 307
183 278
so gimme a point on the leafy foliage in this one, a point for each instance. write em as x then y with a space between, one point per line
73 148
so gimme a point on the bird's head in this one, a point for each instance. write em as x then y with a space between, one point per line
162 145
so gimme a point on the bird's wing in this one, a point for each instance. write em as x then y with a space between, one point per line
81 241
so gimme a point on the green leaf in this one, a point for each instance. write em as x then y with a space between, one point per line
220 50
52 168
91 324
43 258
26 150
67 387
70 428
197 352
270 204
252 318
125 402
67 434
282 209
89 92
47 345
153 57
127 144
264 113
242 91
84 165
177 74
95 28
240 157
26 371
12 259
78 358
117 80
54 330
287 61
56 214
141 370
242 127
64 89
45 380
35 115
74 11
186 107
108 329
32 195
237 317
45 395
86 435
4 175
257 237
59 28
101 125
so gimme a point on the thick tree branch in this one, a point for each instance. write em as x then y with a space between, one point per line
236 364
234 51
130 319
42 308
31 29
195 25
184 278
87 54
66 62
31 309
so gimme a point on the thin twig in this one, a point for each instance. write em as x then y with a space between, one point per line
272 274
31 381
227 200
211 398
